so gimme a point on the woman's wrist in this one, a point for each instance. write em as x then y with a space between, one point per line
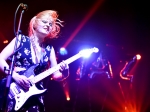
65 73
14 74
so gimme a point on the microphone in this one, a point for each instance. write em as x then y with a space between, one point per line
24 6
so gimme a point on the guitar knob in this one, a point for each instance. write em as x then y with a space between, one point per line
18 96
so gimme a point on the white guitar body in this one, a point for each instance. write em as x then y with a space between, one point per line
22 96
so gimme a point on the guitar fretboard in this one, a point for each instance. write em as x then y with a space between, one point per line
50 71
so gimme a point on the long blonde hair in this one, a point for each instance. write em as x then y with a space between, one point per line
54 18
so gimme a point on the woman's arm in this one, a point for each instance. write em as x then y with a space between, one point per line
7 52
63 66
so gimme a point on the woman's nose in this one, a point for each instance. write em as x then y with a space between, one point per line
47 24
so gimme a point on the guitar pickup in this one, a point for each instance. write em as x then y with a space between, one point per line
17 90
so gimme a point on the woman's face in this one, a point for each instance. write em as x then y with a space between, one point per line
44 26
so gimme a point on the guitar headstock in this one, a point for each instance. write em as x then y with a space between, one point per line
87 52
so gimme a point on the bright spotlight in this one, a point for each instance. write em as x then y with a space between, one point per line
86 55
87 52
63 51
5 41
138 57
68 99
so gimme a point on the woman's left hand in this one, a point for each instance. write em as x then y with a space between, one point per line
64 72
63 66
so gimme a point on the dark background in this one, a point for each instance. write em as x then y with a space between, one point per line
119 28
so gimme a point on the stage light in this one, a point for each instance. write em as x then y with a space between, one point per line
68 99
66 91
63 51
138 57
5 41
86 53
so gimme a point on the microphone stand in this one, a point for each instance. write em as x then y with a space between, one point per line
11 68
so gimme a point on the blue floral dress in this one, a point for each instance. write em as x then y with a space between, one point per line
24 59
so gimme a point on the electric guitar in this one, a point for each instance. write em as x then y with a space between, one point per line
21 96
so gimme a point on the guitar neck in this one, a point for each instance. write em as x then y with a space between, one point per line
50 71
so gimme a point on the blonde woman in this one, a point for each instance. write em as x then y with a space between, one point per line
34 49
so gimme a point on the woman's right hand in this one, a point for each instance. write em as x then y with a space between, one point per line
21 80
